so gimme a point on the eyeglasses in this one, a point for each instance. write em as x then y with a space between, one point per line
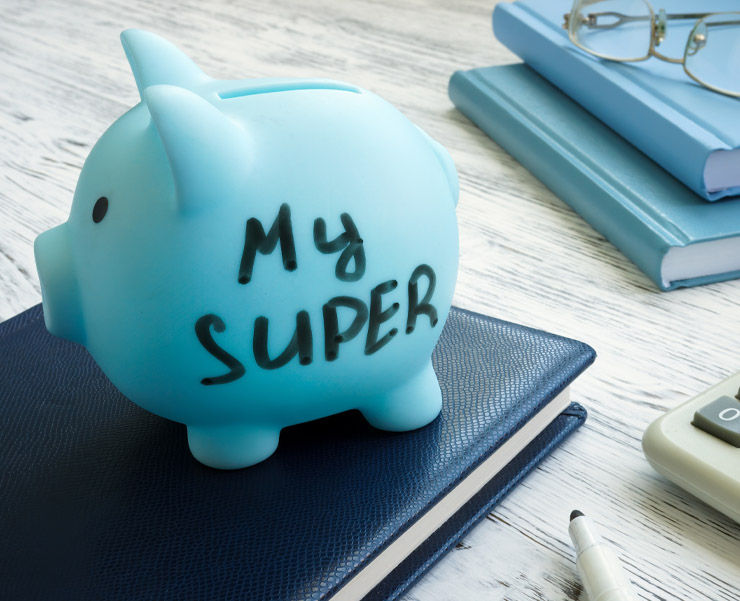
630 31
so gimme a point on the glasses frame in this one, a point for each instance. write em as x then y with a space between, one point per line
657 34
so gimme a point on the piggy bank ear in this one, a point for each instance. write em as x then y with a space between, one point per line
155 61
207 151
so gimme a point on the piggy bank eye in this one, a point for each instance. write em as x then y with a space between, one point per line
100 209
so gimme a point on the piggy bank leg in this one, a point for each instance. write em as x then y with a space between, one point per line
233 446
412 405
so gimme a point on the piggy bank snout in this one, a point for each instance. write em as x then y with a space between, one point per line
59 289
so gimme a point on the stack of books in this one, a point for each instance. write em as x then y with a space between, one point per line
650 158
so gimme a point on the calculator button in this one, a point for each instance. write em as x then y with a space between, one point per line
721 418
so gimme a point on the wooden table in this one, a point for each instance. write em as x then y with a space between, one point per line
525 257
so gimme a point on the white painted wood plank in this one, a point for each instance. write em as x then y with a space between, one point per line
525 256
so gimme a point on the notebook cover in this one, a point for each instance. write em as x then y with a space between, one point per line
653 104
101 500
634 203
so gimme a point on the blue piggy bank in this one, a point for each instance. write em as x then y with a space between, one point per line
242 256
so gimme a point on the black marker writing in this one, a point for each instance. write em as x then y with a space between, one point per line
332 336
203 332
300 344
255 240
424 307
349 242
379 316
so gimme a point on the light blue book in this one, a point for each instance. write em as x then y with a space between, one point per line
692 132
669 232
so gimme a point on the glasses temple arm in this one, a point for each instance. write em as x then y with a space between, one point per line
592 19
678 16
721 23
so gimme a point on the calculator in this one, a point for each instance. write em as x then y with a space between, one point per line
697 446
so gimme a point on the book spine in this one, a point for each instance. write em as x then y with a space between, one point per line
667 136
413 567
601 204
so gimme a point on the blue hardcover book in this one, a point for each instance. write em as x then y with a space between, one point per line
689 130
101 500
663 227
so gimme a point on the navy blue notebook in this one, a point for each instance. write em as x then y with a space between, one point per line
101 500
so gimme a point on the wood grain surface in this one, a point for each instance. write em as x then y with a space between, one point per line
525 257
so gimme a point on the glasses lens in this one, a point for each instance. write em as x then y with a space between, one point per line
713 52
613 29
